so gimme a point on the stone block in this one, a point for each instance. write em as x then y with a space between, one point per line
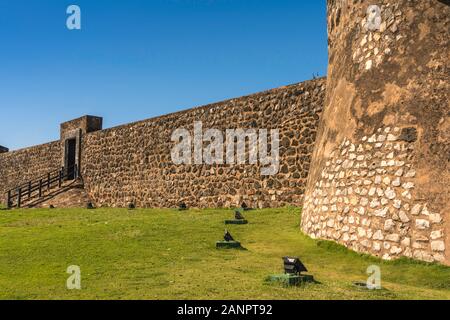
228 245
237 222
291 280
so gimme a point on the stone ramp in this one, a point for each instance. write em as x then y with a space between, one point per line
71 195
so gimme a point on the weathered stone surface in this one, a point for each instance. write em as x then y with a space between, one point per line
438 246
416 209
435 218
378 235
18 167
422 224
406 242
389 225
393 238
378 99
408 134
403 217
132 163
436 235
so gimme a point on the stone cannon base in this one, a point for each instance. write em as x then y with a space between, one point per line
291 280
236 222
228 245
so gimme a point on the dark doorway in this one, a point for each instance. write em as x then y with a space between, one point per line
71 145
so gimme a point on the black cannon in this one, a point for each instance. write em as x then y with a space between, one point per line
228 237
293 266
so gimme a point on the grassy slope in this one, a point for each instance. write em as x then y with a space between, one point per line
165 254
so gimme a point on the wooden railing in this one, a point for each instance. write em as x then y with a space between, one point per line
34 189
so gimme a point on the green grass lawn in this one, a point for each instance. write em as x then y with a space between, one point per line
166 254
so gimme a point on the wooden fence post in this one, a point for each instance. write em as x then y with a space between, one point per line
19 197
40 188
60 177
8 204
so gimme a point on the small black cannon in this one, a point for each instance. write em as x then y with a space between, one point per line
238 218
292 276
227 237
182 206
228 242
293 266
238 215
245 207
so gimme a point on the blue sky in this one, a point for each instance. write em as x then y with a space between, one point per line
137 59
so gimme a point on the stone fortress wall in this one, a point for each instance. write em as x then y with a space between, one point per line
132 163
379 179
371 169
18 167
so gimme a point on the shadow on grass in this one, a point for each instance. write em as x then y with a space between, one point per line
331 246
402 270
269 282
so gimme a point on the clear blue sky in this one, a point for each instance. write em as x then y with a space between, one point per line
134 59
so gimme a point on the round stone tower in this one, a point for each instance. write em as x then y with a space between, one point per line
379 179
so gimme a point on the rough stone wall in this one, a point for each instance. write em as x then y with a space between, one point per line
75 129
85 124
21 166
132 163
379 179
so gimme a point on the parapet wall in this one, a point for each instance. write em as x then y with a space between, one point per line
379 179
132 163
21 166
